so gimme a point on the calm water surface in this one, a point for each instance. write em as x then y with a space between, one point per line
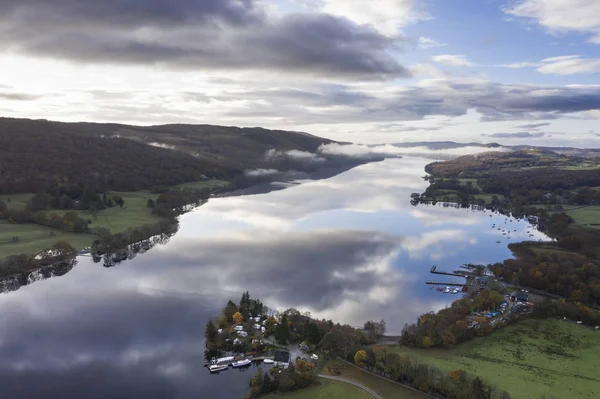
350 248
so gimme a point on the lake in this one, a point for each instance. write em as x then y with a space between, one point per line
350 248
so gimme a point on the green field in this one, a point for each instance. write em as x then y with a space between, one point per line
34 238
386 389
325 390
589 215
533 358
16 201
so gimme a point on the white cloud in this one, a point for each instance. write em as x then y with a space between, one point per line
519 65
359 150
457 60
561 15
427 70
261 172
387 16
425 42
562 65
569 65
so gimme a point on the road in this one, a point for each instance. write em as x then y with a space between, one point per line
356 384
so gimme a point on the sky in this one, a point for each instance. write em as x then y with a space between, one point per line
378 71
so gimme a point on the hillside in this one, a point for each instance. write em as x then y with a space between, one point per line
37 153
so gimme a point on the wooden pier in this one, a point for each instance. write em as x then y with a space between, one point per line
448 284
434 271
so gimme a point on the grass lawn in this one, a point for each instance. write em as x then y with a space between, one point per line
135 213
533 358
325 390
16 201
34 238
589 215
386 389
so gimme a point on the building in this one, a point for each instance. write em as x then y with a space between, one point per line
282 358
519 297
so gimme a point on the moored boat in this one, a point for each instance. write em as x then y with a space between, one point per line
269 361
241 363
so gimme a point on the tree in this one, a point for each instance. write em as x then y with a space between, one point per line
270 326
3 207
62 249
150 204
375 329
229 310
210 332
118 200
360 358
282 331
238 318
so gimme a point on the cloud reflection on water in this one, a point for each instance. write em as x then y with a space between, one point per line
350 248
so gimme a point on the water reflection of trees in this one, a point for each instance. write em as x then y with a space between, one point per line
108 259
111 259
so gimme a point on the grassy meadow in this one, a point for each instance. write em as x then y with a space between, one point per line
325 390
386 389
34 238
589 215
559 359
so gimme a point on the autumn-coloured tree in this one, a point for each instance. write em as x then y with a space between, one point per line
238 318
360 358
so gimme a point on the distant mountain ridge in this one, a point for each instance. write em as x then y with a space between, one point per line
37 153
445 145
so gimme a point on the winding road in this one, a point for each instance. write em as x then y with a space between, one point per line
356 384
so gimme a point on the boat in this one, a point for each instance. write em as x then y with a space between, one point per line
241 363
268 361
455 291
439 289
215 368
446 290
498 241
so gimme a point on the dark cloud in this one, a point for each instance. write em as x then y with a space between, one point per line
18 96
343 104
533 126
215 34
517 135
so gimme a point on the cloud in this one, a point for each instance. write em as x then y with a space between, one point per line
261 172
533 125
296 155
209 34
457 60
563 65
569 65
519 65
18 96
561 16
517 135
390 150
387 16
425 42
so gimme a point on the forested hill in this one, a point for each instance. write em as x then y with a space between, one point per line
35 154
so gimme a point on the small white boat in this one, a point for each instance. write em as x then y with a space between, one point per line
215 368
446 290
455 291
241 363
269 361
498 241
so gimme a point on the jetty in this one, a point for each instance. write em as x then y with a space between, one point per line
434 271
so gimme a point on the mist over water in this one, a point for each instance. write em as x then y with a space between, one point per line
350 248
